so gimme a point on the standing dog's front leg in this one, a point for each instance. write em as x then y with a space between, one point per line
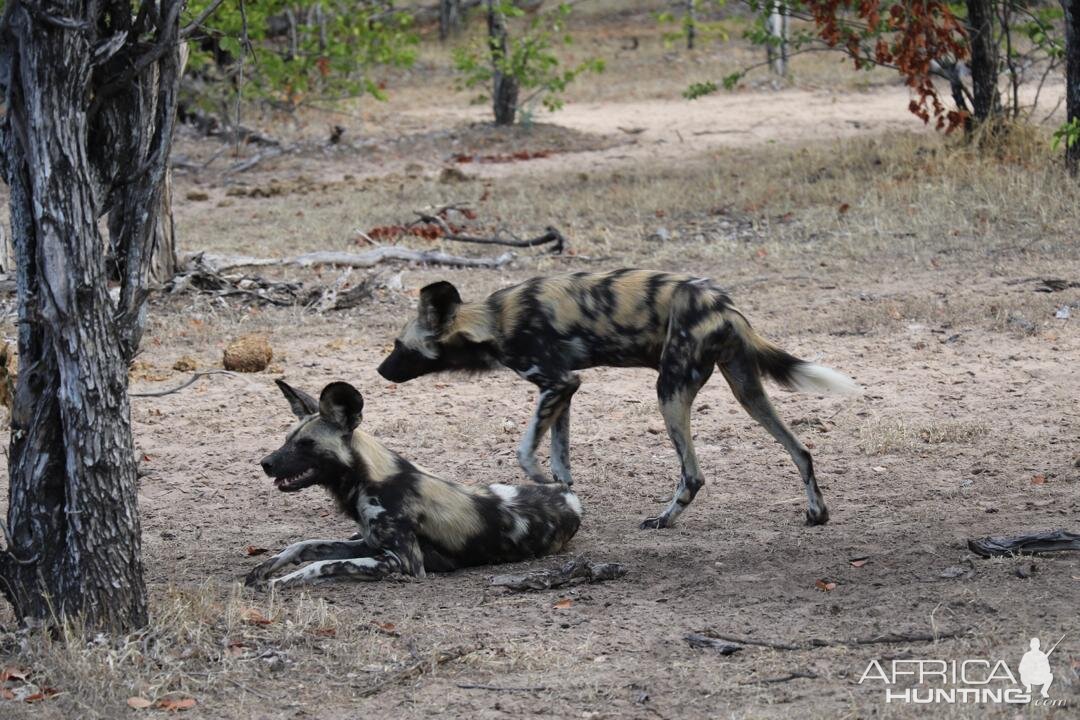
553 402
560 447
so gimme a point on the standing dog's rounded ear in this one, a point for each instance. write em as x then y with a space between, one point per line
438 302
301 403
341 404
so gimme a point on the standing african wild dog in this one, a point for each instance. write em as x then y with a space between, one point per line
410 521
546 328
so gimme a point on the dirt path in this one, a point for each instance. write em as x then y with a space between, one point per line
670 131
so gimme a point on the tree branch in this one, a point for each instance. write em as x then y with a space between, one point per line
195 24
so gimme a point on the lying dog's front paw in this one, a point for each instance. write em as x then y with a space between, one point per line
259 575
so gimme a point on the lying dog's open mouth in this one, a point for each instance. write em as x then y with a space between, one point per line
296 482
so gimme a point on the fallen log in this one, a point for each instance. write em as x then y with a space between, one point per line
1030 544
578 570
371 258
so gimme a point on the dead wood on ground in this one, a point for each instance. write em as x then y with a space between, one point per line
578 570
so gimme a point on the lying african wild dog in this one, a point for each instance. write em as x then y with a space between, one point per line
410 521
546 328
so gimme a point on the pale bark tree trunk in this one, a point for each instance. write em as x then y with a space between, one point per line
88 130
1072 79
505 89
986 100
778 48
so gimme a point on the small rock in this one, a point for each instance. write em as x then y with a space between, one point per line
1021 323
249 353
661 234
452 175
953 571
186 363
1026 570
1062 313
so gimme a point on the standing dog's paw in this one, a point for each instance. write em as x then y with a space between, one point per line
820 518
654 523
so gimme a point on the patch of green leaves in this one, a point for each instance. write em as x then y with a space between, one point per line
291 52
530 58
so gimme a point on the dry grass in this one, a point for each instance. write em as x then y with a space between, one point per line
926 198
202 644
903 436
223 646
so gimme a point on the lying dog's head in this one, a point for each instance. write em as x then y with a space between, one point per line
318 449
441 337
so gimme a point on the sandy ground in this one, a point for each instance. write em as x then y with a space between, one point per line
962 409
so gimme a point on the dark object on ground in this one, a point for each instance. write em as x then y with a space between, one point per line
1048 541
884 639
1049 285
784 678
578 570
704 642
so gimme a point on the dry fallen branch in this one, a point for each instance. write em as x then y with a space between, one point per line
578 570
1043 542
245 165
704 642
784 678
417 668
191 380
498 688
203 278
551 235
221 263
887 639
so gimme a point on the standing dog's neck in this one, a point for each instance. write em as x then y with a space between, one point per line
473 322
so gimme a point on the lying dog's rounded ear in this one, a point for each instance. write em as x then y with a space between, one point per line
341 404
301 403
438 302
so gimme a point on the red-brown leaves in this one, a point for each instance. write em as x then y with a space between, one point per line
919 32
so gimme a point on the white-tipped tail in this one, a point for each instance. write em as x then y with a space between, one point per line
573 502
812 378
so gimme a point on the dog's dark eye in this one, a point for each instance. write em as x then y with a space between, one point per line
305 443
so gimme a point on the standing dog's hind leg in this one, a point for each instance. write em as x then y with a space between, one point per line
746 385
676 389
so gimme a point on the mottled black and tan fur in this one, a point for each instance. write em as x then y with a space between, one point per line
546 328
410 520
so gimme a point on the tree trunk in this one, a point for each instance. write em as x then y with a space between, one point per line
986 101
1072 79
163 261
449 18
504 93
691 23
778 29
88 126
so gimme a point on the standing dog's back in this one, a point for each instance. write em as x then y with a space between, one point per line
546 328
